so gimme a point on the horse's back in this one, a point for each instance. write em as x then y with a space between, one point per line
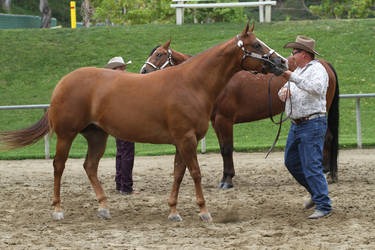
245 98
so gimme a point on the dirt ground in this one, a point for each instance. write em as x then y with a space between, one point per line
263 211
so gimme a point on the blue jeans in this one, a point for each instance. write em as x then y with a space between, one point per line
304 159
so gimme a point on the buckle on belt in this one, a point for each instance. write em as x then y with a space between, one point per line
310 117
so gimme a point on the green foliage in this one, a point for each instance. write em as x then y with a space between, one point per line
60 9
211 15
344 8
159 11
33 61
133 11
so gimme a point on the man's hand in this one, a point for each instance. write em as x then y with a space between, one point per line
286 74
285 93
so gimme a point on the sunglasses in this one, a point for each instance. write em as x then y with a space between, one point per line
296 52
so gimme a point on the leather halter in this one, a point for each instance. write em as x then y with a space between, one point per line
169 61
264 57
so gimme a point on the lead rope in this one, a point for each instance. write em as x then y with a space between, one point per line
281 116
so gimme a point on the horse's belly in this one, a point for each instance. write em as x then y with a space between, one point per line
146 132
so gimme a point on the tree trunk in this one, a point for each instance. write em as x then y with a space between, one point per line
46 14
6 5
87 10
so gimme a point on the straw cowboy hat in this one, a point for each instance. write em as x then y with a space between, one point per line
116 62
304 43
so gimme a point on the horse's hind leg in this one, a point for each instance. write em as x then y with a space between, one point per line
62 151
224 131
96 140
178 173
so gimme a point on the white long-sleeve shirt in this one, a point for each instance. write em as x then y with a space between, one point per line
308 88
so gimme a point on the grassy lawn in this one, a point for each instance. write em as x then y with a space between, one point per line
32 62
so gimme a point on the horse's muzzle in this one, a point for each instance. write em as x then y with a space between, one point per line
277 65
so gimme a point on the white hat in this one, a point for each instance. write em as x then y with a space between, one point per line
116 62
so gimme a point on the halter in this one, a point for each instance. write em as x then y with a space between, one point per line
265 57
169 61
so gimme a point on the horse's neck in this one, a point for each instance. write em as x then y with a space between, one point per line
213 68
179 58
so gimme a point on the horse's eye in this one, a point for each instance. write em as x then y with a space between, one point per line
257 46
159 55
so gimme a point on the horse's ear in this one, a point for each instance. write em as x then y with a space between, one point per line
252 27
166 45
244 32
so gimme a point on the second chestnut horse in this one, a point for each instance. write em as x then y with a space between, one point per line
246 99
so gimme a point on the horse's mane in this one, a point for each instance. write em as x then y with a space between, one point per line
153 50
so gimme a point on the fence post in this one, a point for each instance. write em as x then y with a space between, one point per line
358 118
179 14
261 12
203 145
73 20
268 13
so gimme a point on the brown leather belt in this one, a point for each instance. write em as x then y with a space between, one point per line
310 117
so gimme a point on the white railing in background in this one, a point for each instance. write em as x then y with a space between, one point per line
203 141
181 4
358 113
358 118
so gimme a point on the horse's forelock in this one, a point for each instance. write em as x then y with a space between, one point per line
153 50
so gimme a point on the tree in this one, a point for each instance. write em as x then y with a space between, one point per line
6 5
87 11
46 14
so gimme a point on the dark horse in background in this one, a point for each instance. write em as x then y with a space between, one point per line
171 106
245 99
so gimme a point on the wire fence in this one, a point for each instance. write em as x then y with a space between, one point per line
358 98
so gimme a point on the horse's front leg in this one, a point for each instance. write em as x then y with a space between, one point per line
178 173
188 151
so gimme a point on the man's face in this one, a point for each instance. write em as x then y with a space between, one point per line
298 56
121 68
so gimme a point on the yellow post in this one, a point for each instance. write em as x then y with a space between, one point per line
73 14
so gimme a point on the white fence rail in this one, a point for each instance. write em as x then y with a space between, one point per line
358 118
264 7
203 142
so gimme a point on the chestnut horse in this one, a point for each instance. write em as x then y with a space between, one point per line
171 106
245 99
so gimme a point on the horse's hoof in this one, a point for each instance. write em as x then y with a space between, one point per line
205 217
58 215
104 213
221 185
227 185
176 217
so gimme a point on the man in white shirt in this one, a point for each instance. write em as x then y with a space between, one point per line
305 97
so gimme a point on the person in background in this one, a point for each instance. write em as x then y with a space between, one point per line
306 105
125 149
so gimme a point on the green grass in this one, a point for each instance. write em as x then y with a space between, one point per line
32 62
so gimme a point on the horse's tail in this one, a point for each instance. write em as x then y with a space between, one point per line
27 136
333 126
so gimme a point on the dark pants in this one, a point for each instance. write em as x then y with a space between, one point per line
124 165
304 159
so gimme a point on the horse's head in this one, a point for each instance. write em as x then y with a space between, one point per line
159 58
256 55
